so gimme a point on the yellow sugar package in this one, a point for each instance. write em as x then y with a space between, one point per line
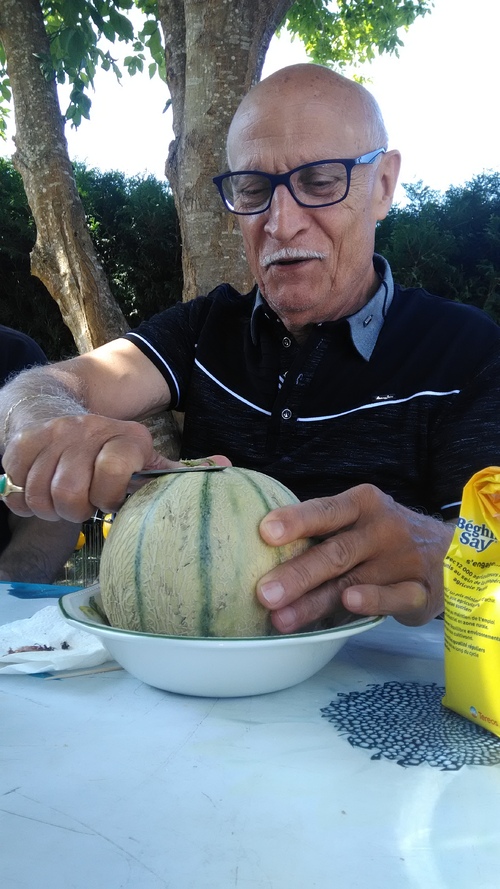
472 605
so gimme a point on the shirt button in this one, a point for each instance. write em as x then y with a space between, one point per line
286 413
286 342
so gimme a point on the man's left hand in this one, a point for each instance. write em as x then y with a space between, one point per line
373 557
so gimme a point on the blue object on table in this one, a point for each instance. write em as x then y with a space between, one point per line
39 590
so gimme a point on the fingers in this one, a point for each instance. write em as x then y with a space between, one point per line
33 458
409 602
72 465
115 462
308 610
374 557
313 518
219 460
350 552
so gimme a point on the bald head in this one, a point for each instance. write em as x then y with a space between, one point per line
312 261
284 95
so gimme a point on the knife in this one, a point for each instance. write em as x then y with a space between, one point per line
139 479
8 487
154 473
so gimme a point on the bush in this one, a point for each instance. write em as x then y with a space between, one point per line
449 244
134 227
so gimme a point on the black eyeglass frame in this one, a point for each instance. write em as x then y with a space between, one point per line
276 179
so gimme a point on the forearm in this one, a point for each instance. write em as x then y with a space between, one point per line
39 394
116 381
37 550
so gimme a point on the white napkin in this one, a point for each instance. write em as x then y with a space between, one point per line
48 627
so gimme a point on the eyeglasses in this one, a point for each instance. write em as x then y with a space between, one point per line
318 184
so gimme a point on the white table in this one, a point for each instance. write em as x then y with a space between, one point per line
110 784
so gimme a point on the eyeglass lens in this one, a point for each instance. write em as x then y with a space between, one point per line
314 186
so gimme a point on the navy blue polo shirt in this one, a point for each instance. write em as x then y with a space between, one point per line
405 394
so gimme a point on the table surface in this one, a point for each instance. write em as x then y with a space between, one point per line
355 778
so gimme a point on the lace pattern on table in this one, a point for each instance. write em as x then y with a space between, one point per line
405 722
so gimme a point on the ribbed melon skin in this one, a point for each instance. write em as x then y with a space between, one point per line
184 554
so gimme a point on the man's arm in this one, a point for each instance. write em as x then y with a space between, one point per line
115 380
375 556
37 550
70 435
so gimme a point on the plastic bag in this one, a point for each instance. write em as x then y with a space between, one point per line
472 605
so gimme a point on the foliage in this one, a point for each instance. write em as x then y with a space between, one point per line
352 31
24 302
448 244
77 30
135 230
134 227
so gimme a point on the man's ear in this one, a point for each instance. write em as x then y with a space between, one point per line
387 179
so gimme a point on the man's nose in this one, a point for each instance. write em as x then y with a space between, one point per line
285 217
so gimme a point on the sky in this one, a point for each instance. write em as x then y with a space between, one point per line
439 101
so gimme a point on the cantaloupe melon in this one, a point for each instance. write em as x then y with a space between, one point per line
184 554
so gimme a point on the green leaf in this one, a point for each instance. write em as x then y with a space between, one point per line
108 31
4 113
5 90
154 45
351 31
76 47
122 25
149 28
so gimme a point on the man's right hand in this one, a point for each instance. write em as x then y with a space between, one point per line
72 465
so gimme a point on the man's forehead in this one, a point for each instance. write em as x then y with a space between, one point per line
287 111
309 132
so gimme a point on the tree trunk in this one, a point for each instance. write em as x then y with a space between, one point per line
214 54
63 256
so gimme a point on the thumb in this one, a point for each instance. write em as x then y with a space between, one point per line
157 461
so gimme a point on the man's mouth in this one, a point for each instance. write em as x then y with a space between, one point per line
289 256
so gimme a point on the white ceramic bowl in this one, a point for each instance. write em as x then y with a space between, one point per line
215 667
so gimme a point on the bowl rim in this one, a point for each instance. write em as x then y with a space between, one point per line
347 629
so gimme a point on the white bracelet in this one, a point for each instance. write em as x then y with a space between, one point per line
26 398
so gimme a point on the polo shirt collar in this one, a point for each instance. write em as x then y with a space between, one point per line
365 325
368 322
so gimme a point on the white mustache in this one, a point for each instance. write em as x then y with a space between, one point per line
290 254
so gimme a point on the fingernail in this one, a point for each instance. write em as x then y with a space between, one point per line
272 592
274 529
354 599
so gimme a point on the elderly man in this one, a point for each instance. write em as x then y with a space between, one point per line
374 404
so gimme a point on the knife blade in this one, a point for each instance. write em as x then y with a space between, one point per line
8 487
141 478
154 473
